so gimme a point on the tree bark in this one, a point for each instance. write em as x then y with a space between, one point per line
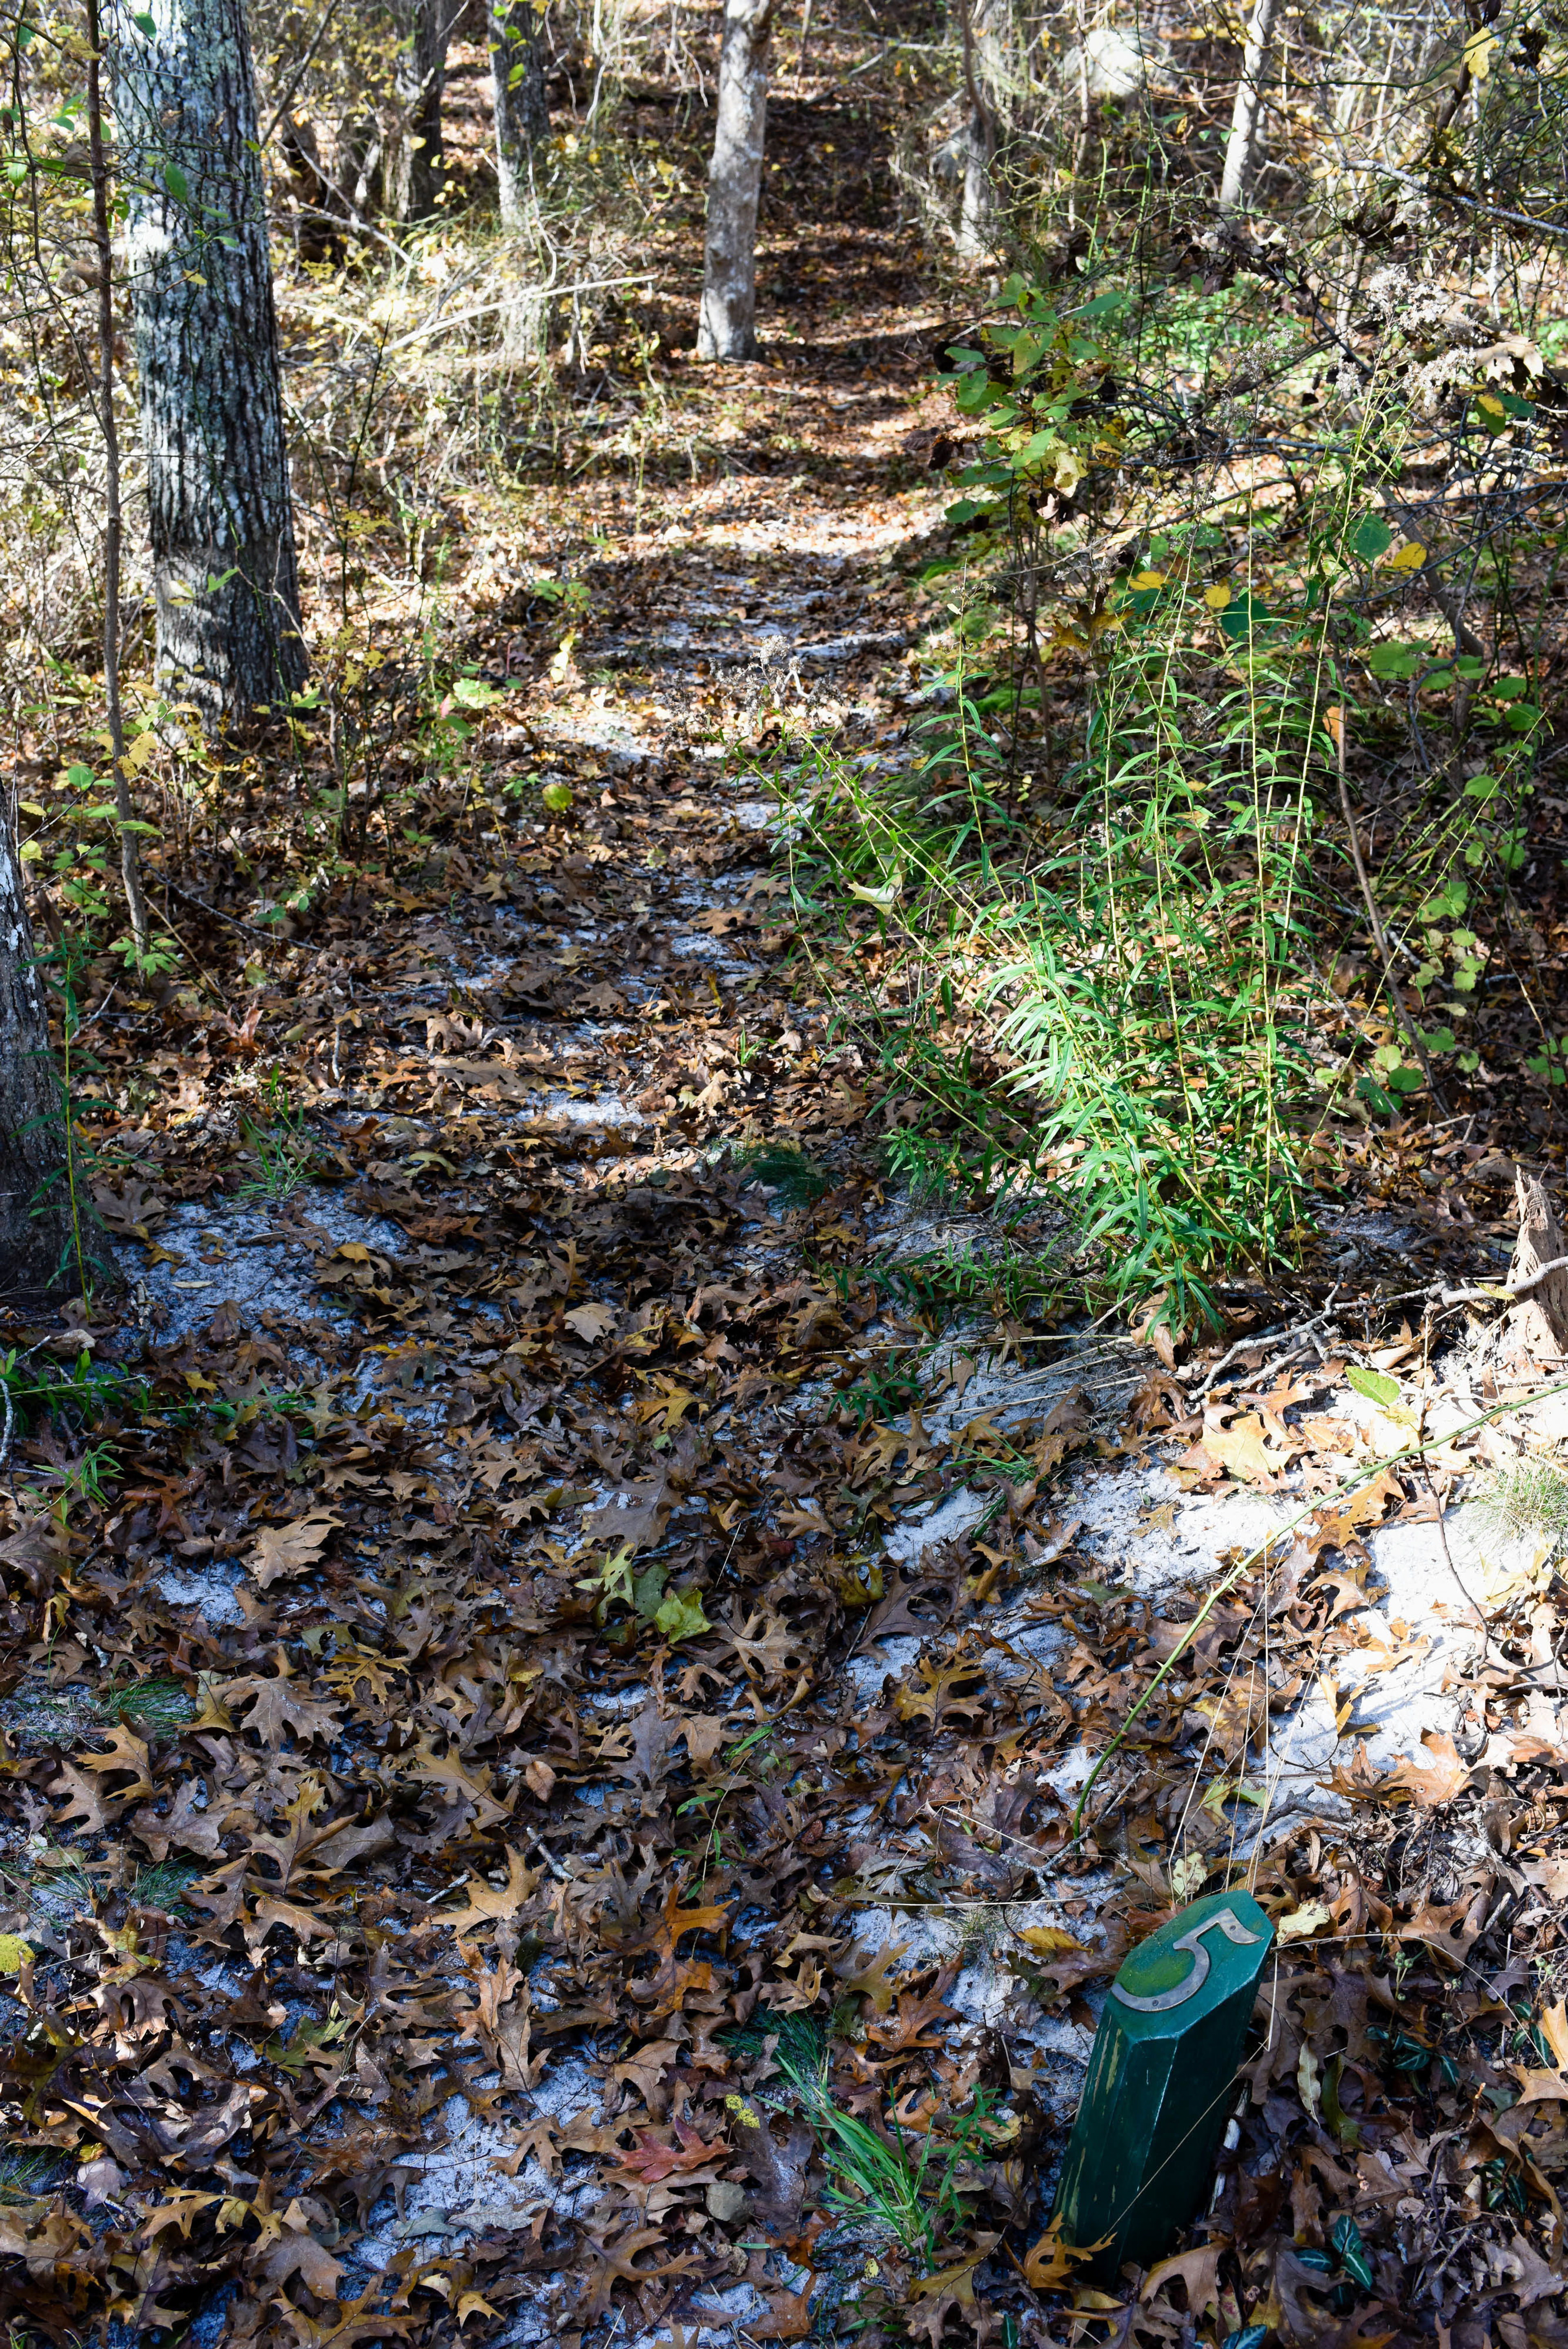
414 176
206 354
522 116
983 64
1249 107
113 516
1537 1326
37 1249
727 328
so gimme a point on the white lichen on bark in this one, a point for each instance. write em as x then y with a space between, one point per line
522 116
1244 115
206 354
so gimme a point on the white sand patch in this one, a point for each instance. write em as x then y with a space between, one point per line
260 1256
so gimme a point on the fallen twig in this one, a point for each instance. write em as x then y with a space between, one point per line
216 914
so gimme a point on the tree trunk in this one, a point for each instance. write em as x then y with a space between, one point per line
419 79
727 329
984 65
1239 147
36 1227
522 116
113 512
206 355
1537 1324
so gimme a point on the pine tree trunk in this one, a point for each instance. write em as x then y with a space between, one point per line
1240 145
522 116
35 1230
727 328
206 355
414 175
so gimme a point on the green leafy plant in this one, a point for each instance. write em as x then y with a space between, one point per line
787 1172
910 2191
163 1887
908 2188
156 1706
1526 1500
284 1148
883 1394
25 2175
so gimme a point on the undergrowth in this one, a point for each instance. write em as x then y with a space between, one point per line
1086 913
786 1171
902 2185
1531 1498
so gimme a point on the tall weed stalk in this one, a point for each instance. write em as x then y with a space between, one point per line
1154 996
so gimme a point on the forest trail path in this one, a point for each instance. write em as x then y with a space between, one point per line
586 1581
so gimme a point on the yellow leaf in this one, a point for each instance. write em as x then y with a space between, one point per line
1047 1939
945 2279
1069 472
15 1954
1554 2031
1307 2073
1240 1449
1310 1917
1187 1877
472 2303
886 894
1143 581
1217 598
1480 51
1409 557
138 753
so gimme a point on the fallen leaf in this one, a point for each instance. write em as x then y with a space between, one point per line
591 1321
282 1551
1199 2270
1046 1941
1438 1781
1051 2261
1241 1450
1299 1924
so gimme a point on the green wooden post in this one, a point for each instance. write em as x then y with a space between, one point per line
1160 2084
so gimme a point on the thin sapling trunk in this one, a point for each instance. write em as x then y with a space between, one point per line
40 1226
977 213
1241 143
129 864
521 114
727 329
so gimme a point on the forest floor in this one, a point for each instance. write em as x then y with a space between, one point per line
536 1595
